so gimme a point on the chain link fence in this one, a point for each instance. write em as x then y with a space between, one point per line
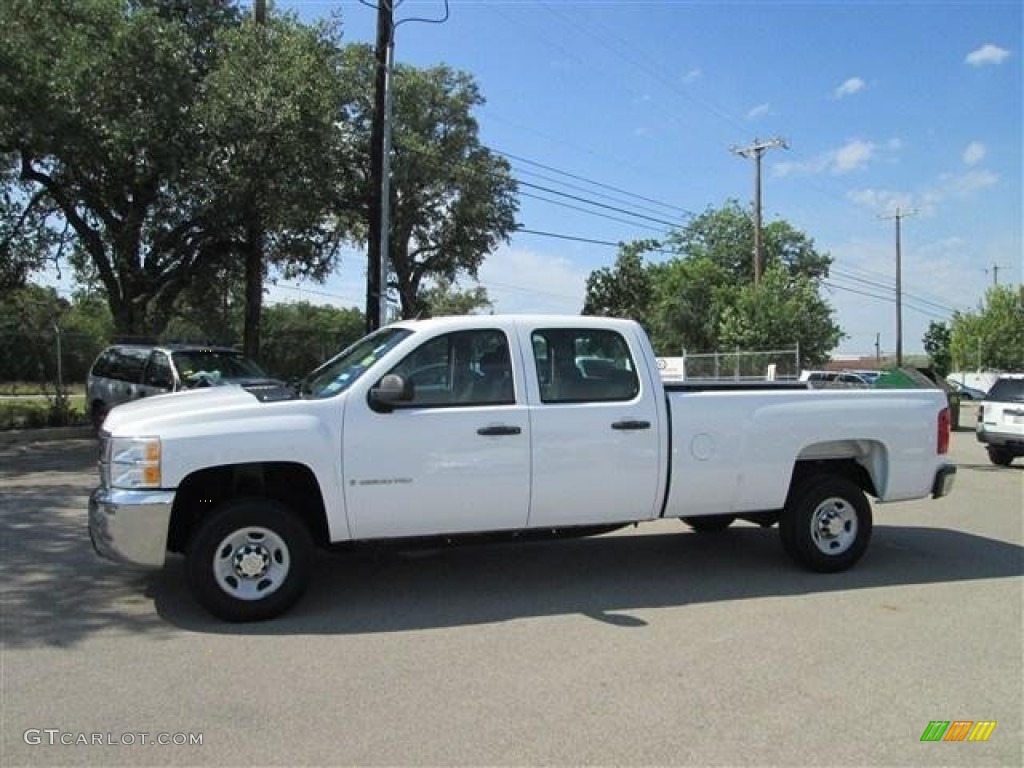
739 365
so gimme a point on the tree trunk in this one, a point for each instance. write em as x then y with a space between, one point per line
253 289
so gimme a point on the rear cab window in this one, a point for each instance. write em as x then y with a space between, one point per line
578 365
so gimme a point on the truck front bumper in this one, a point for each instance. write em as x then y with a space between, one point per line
130 526
943 483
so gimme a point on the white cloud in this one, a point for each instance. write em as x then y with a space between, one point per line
974 153
852 155
849 87
520 280
967 184
987 54
692 76
761 110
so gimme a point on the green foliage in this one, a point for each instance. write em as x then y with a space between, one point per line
782 310
170 137
937 344
442 297
453 201
299 336
625 289
993 337
704 300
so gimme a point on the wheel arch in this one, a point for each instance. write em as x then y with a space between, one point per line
204 490
863 462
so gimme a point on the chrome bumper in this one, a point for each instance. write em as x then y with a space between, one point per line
130 526
943 483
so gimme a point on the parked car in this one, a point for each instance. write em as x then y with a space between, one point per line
818 379
1001 419
127 372
965 392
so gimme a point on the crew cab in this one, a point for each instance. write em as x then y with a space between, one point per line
495 426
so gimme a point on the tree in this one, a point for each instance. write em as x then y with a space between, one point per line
171 138
703 299
443 297
271 108
936 343
299 336
779 311
452 199
993 337
97 114
625 289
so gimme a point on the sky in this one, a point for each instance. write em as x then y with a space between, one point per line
637 106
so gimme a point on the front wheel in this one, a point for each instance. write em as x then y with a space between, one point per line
999 456
250 561
826 524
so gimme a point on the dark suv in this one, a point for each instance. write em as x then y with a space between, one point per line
1001 419
129 371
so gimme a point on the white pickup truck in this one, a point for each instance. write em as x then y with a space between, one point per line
517 426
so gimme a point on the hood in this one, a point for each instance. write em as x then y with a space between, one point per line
153 415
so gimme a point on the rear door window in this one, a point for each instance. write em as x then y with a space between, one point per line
576 365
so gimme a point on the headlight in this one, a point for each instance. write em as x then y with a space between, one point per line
134 462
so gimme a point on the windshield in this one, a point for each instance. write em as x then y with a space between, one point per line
214 364
339 373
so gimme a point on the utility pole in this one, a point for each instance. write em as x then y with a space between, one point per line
756 150
898 217
377 237
995 275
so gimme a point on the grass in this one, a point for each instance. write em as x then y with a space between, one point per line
35 413
36 388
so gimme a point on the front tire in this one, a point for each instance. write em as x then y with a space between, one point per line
250 561
826 524
999 456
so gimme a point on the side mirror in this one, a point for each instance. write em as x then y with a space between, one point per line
389 391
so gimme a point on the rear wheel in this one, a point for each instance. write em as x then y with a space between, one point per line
250 561
826 525
999 456
709 523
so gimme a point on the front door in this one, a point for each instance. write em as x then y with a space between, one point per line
456 458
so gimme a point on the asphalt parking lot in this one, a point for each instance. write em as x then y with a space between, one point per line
649 646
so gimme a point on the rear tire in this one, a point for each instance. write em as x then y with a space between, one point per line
709 523
999 456
826 524
250 561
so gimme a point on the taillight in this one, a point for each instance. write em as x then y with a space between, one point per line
942 438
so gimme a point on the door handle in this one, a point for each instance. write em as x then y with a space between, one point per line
630 425
498 430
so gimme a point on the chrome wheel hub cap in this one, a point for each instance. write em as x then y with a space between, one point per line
834 526
251 563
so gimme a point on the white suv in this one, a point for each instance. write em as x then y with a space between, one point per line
1001 419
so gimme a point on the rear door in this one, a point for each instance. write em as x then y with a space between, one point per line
595 425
